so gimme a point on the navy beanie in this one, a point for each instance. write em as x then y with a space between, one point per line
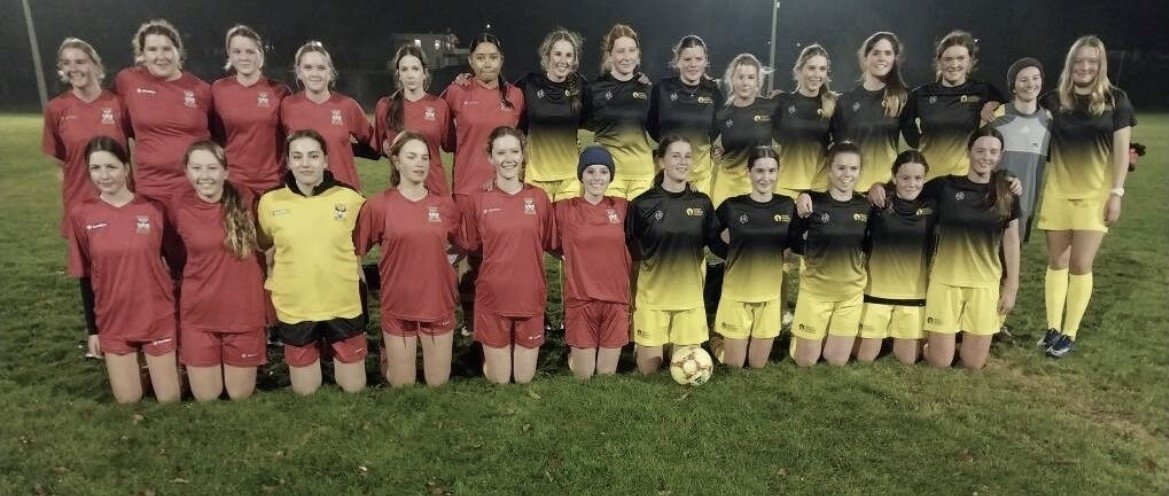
595 155
1017 67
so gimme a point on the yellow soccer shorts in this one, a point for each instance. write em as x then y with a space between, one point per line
652 327
629 188
562 189
880 321
741 319
949 309
819 316
1072 214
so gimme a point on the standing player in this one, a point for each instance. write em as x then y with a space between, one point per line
477 108
755 227
744 124
900 244
222 309
1091 129
832 284
977 241
116 239
411 107
78 115
686 105
666 230
619 105
413 227
510 224
941 115
247 107
591 238
801 123
869 114
555 105
169 109
1026 130
336 117
307 225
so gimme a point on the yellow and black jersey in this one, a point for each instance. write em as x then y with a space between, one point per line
1081 146
832 241
742 128
899 244
758 236
969 232
860 118
616 114
800 128
938 120
690 111
666 233
552 115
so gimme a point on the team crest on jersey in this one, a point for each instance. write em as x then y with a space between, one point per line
430 114
609 95
673 97
705 100
743 219
540 93
781 218
529 206
856 106
824 218
694 212
143 225
730 123
432 214
959 196
189 98
762 118
658 215
340 211
337 118
640 95
107 116
262 100
791 109
933 99
613 219
860 217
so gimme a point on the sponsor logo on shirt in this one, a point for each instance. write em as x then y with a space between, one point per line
249 355
970 99
340 211
529 206
613 219
694 212
337 118
860 217
145 91
96 225
107 116
705 100
280 211
640 95
262 100
924 211
160 342
143 226
430 114
68 117
432 214
189 98
781 218
762 118
491 210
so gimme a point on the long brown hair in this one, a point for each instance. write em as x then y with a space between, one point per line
1000 197
827 97
906 157
895 93
659 153
615 33
237 219
491 39
400 141
395 117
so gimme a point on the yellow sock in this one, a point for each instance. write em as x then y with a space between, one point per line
1056 295
1079 292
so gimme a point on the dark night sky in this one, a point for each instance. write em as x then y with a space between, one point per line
358 33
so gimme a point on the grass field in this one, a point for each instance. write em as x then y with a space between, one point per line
1095 423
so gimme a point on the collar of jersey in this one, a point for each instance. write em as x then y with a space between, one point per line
326 183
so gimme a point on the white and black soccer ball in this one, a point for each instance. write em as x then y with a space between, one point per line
691 365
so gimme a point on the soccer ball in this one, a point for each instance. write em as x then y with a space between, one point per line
691 365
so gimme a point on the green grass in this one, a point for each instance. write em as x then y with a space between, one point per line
1091 424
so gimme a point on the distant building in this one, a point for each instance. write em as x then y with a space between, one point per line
441 49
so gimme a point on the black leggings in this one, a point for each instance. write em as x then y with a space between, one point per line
87 305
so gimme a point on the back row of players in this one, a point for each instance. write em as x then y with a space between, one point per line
164 110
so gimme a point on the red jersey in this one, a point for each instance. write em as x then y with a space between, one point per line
512 232
340 120
417 280
167 116
220 292
430 117
120 249
70 123
250 117
477 110
596 260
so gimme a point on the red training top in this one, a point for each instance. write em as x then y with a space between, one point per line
220 291
428 116
512 232
417 280
596 261
477 110
70 123
250 117
167 116
120 250
339 119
